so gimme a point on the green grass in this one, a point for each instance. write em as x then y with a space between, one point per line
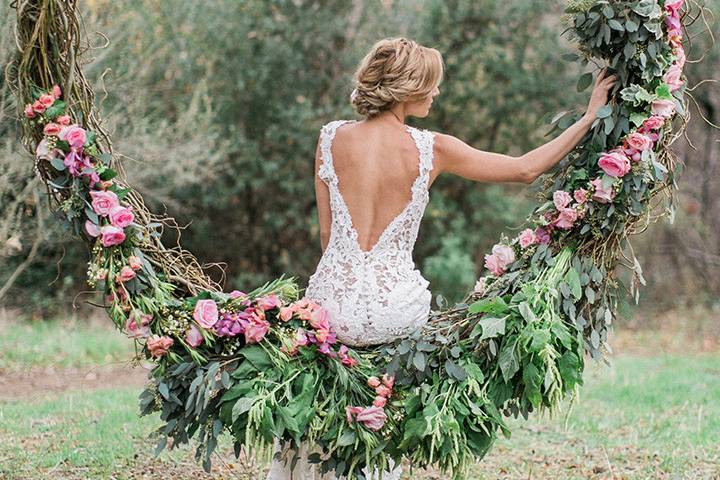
59 343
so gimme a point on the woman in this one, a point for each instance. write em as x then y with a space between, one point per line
372 181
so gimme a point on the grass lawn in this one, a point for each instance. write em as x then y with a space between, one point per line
645 417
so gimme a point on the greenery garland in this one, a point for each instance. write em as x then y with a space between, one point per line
265 364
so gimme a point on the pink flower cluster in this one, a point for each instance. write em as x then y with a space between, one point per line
105 203
498 261
43 103
138 324
373 417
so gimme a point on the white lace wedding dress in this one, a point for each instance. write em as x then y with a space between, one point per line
372 296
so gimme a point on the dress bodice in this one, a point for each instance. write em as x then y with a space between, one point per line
377 295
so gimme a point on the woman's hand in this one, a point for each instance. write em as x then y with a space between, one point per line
599 96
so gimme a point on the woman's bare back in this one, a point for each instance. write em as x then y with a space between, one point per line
376 166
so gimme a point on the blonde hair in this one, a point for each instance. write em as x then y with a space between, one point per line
395 70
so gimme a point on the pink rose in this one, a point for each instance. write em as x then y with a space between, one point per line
652 123
494 264
383 390
601 194
134 262
286 313
346 359
672 77
614 163
38 107
379 401
566 218
561 199
112 235
269 302
120 216
193 336
388 380
372 417
137 324
206 313
51 129
126 274
46 100
322 334
92 229
320 319
256 329
56 92
504 252
638 141
373 382
527 237
103 201
159 346
74 135
580 195
480 286
29 112
63 120
664 108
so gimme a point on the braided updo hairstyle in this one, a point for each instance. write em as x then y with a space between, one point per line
395 70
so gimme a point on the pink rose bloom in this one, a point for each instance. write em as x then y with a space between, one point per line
373 382
159 346
29 112
103 201
638 141
126 274
350 412
74 135
372 417
256 330
320 319
383 390
120 216
137 325
63 120
614 163
38 107
561 199
112 235
322 334
542 235
346 359
527 237
504 252
602 195
494 264
388 380
672 77
51 129
286 313
193 336
580 195
134 262
56 92
566 218
664 108
379 401
92 229
206 313
46 100
269 302
652 123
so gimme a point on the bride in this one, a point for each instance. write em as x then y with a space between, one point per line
372 181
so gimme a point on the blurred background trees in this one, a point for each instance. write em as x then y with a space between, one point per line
216 108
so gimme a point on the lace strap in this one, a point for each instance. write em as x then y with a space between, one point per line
424 139
326 171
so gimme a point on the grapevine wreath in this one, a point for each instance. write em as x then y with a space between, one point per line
265 364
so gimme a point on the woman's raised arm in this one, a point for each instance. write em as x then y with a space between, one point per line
455 156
